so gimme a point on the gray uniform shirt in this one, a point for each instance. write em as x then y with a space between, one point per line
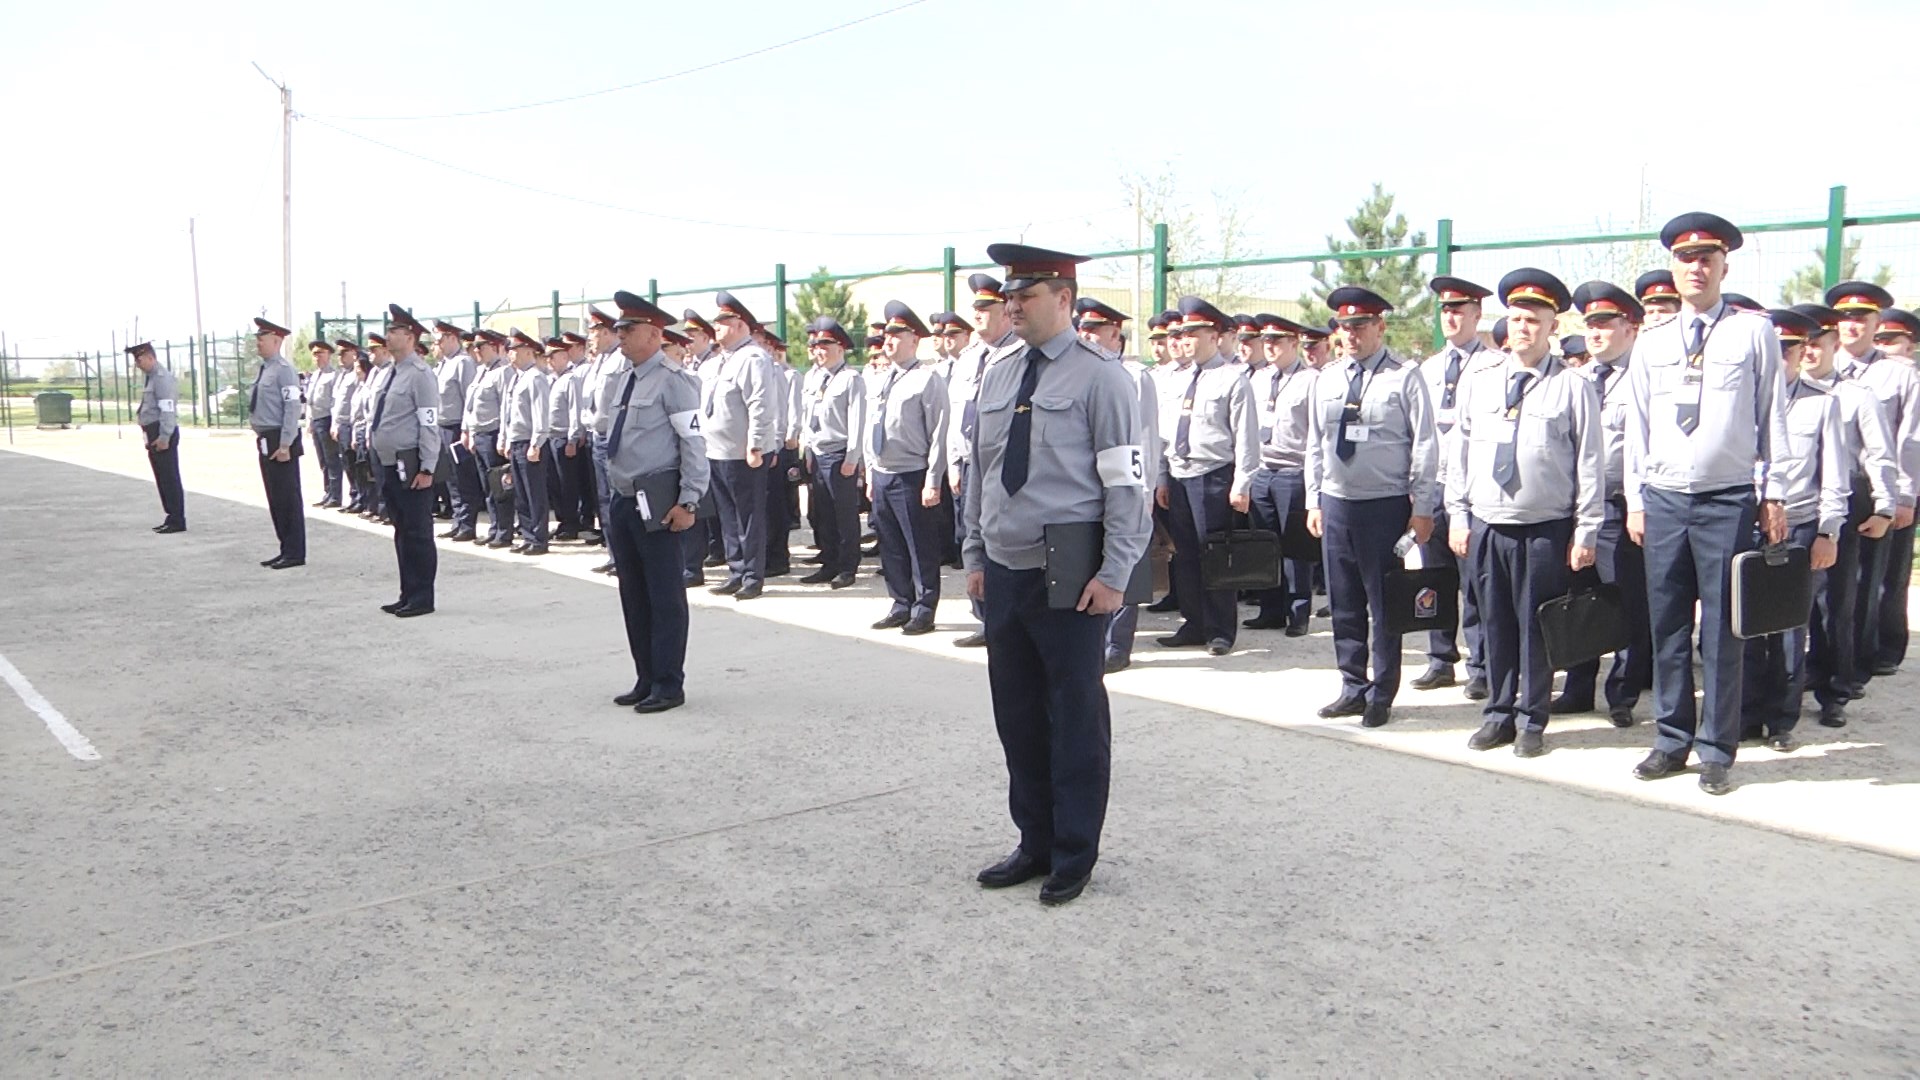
739 403
523 418
1814 476
661 429
1559 470
1396 450
1898 389
1223 428
1609 378
963 390
909 405
1434 370
408 406
1085 462
320 391
1259 381
486 398
344 391
455 375
363 402
275 403
562 409
1149 420
1869 447
836 406
595 374
1738 389
159 404
1289 401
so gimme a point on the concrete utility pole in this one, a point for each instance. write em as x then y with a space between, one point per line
199 331
286 197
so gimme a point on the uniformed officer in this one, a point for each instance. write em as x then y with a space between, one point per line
1524 499
700 352
1886 563
273 411
363 429
1279 491
1816 482
1742 302
652 424
1101 326
783 464
1499 333
562 414
455 377
356 369
1898 329
1658 296
523 430
1703 426
1209 468
1874 495
740 409
1460 310
1573 351
906 457
1613 320
405 437
485 402
605 363
993 339
1170 382
951 333
1372 455
322 382
1158 336
1319 352
576 454
1078 461
701 336
835 433
159 422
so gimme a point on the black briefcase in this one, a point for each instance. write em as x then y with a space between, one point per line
1240 559
1296 541
1423 599
500 481
656 494
1772 591
1075 551
1584 625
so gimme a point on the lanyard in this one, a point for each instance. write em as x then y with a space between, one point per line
1533 383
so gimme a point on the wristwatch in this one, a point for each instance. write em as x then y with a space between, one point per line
691 508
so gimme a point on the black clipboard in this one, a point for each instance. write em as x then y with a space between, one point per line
1075 550
1772 591
656 494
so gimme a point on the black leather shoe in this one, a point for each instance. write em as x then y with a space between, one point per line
1477 688
286 564
393 607
517 547
778 571
1013 870
1116 664
462 536
268 563
164 529
750 592
1713 780
1323 613
727 587
1179 641
448 535
1265 622
1620 716
1376 715
1784 742
1350 705
1434 678
534 549
1164 604
498 544
1658 764
1562 705
975 640
712 561
818 577
633 697
685 580
1219 647
1881 671
916 627
1297 629
841 582
1493 733
1059 890
318 505
892 622
414 611
566 535
1531 743
1833 714
654 703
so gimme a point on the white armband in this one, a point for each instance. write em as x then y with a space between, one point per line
686 424
1122 466
166 405
290 393
428 417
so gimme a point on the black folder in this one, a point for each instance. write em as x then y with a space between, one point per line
1075 551
269 443
1772 591
1584 625
656 494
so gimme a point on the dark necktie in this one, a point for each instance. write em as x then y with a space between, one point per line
1688 415
620 418
880 424
380 405
1505 464
1601 373
253 399
970 409
1453 379
1343 445
1013 470
1183 431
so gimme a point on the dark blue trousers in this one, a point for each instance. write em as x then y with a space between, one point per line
1774 669
413 547
1516 568
1443 646
1276 494
741 493
1050 707
499 511
653 599
1122 625
960 515
1357 539
282 482
329 457
1620 562
835 501
1831 640
1198 506
530 505
779 522
563 483
465 489
1890 646
1691 542
909 542
602 494
166 478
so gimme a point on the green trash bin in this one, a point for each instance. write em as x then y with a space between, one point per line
53 409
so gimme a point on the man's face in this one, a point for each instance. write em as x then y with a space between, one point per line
523 357
732 330
449 344
1281 351
826 354
1459 322
1610 336
145 361
400 341
1040 311
638 341
603 338
1794 356
1248 349
1181 346
1698 272
266 345
1158 346
322 358
1318 353
1105 335
1661 305
1361 335
1856 329
901 346
957 338
1816 356
1529 329
1900 344
1205 341
702 340
991 320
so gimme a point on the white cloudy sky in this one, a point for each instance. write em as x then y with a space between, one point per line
952 121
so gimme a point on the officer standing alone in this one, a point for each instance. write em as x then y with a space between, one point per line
273 411
159 422
406 438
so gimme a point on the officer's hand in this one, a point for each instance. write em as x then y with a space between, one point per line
1637 527
1580 558
977 584
1240 502
421 481
284 454
755 458
1773 521
1824 553
679 519
1903 517
1422 527
1875 527
466 440
570 450
1457 541
869 490
1099 599
953 479
533 452
930 498
848 468
160 443
1315 523
1163 497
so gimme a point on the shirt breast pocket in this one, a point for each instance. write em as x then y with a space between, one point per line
1056 422
1726 376
1381 408
1545 433
1803 432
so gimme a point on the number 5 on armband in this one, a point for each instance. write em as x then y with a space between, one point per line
1122 466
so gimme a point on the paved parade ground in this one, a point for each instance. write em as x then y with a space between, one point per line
253 827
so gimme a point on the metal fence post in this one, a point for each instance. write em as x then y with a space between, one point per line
780 298
556 313
1836 232
360 331
948 267
319 327
1159 268
653 290
1442 264
476 315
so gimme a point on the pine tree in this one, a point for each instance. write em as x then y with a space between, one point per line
1399 279
817 297
1809 283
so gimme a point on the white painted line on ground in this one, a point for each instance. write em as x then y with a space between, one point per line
69 736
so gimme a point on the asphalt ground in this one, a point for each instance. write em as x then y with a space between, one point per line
320 840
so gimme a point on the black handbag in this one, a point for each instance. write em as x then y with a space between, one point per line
500 481
1423 599
1240 559
1772 591
1584 625
1297 542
